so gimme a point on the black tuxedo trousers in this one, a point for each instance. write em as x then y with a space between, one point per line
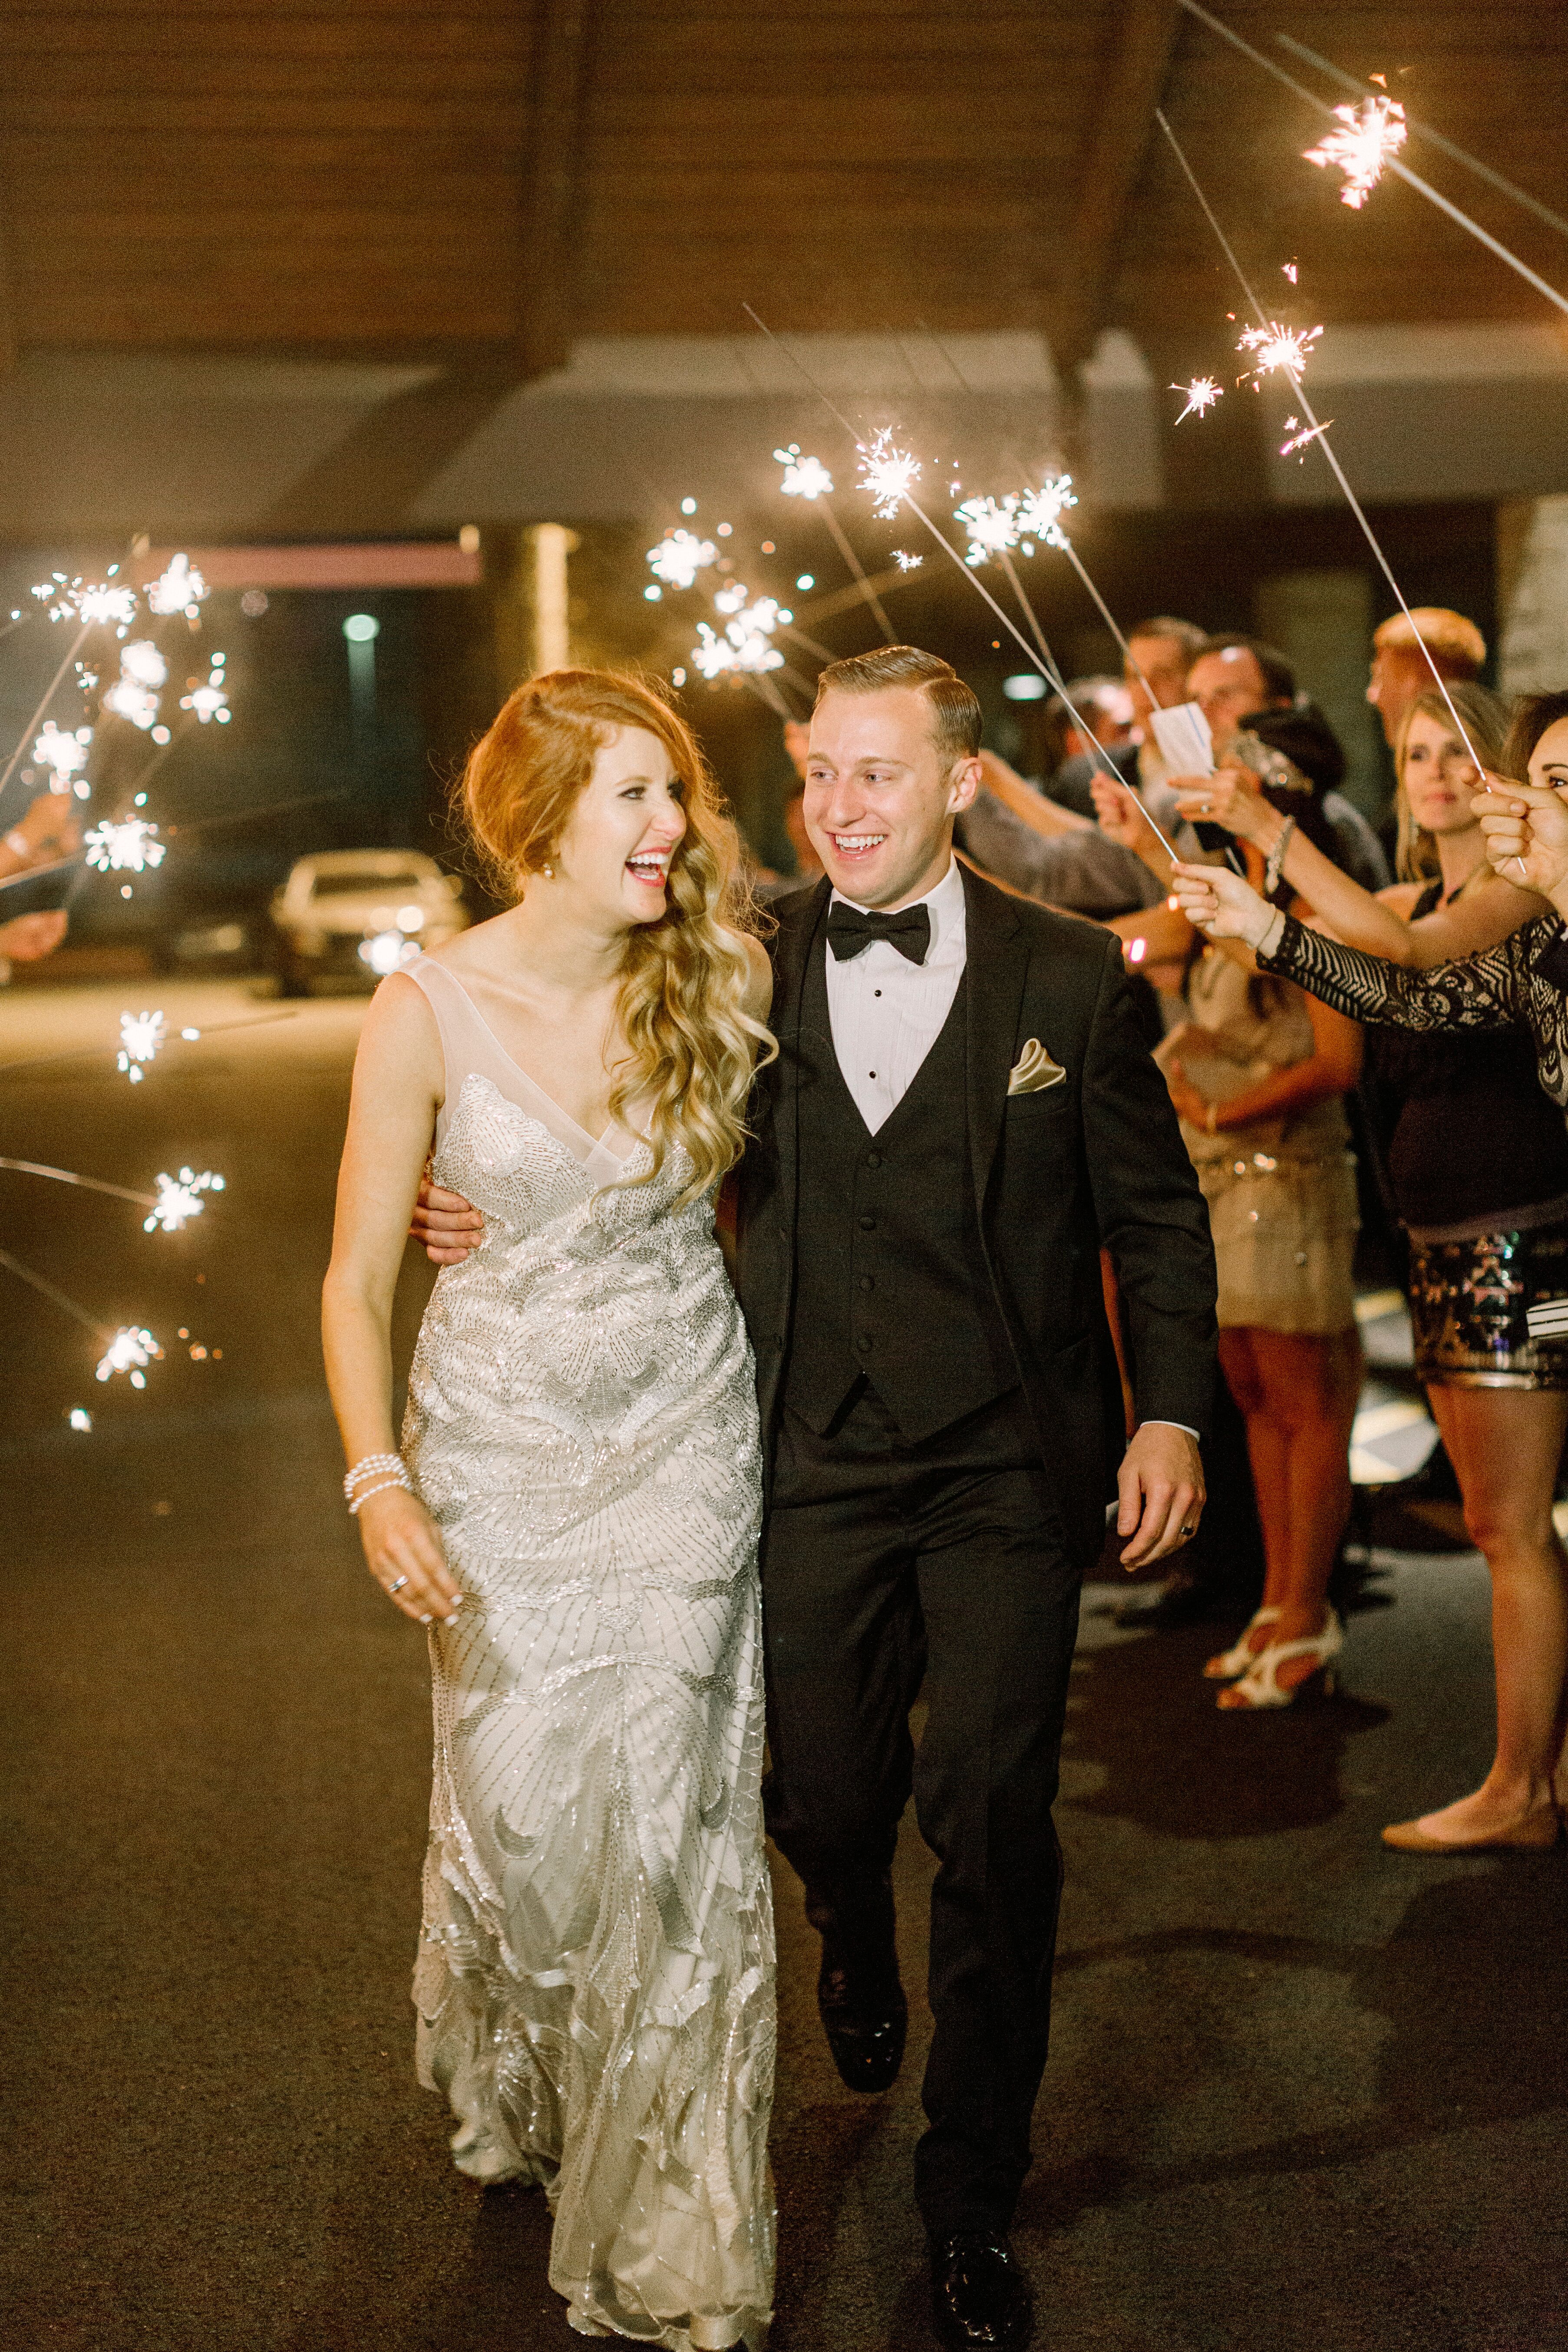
894 1572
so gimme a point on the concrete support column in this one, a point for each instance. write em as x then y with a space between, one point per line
1533 595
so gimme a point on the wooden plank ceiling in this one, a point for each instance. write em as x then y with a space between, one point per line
479 183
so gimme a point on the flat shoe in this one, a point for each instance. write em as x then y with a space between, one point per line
1409 1837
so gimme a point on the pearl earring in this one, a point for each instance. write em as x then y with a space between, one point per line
548 872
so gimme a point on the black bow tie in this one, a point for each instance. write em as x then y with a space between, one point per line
849 930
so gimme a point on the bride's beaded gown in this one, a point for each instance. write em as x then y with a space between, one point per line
595 1979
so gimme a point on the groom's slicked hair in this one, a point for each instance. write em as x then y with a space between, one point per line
955 710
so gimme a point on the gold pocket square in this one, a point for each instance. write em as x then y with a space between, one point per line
1034 1070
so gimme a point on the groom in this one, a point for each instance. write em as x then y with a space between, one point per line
962 1113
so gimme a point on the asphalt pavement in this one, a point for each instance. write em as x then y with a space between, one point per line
1305 2094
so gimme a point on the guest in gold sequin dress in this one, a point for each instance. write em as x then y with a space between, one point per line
574 1512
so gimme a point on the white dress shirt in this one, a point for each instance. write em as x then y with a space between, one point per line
886 1012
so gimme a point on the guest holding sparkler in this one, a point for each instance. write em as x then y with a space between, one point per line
49 830
1497 1383
1159 654
1258 1073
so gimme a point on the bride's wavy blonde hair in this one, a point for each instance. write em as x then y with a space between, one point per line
693 1048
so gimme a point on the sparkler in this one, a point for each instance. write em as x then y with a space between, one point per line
889 474
679 556
211 700
905 561
1324 444
130 846
992 526
180 588
180 1199
1367 137
141 1035
1040 511
1401 170
133 695
1201 396
65 755
804 477
1423 130
129 1350
1277 349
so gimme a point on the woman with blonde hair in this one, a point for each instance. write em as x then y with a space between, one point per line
574 1509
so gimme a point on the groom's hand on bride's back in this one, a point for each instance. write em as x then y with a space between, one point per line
446 1226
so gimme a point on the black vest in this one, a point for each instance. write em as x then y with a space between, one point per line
891 1281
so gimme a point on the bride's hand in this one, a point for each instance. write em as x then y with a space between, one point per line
1221 904
404 1552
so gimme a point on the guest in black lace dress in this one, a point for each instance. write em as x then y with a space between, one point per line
1473 1132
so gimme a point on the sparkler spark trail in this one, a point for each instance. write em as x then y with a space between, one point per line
1366 137
1401 170
804 477
129 1350
141 1035
1276 348
181 589
1295 440
1201 396
211 700
1040 511
679 556
128 847
905 561
179 1199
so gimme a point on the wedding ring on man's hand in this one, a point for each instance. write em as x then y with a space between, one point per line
397 1585
1189 1531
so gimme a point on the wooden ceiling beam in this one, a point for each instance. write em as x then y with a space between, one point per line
558 78
1131 88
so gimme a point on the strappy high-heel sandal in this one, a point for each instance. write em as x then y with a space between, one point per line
1226 1667
1261 1686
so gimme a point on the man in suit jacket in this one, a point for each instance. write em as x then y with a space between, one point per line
963 1112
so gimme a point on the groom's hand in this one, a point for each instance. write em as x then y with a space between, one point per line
446 1226
1160 1487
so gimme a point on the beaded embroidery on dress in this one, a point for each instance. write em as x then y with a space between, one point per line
595 1979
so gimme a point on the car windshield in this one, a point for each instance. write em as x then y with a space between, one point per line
360 886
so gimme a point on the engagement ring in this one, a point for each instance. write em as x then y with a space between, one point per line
398 1585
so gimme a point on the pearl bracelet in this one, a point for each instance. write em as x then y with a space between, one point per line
401 1479
366 1467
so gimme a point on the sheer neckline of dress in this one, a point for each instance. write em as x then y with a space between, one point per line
596 1145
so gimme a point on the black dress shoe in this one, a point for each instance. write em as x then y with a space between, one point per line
865 2024
979 2295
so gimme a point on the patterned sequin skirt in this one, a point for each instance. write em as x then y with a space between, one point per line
1467 1306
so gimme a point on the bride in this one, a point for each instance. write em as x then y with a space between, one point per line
575 1510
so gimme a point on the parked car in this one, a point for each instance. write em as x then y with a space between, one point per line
357 914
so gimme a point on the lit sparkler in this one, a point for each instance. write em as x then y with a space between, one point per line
141 1035
887 473
129 1350
78 1417
905 561
105 604
1367 137
64 754
804 477
1278 349
1201 396
130 846
181 589
180 1199
1040 511
679 556
211 700
991 525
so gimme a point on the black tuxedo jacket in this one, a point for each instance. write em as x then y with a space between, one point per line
1094 1159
